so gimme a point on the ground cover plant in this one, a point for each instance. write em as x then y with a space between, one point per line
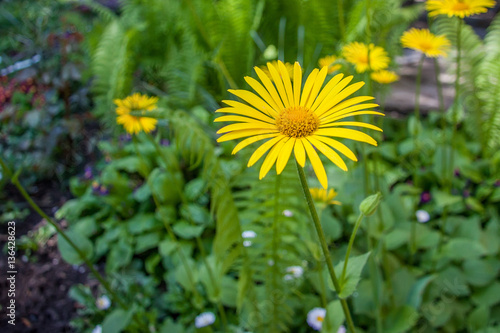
253 179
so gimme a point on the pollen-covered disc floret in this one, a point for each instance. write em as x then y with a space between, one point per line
292 115
297 122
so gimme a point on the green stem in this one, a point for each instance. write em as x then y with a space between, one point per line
456 101
340 12
15 181
324 246
275 250
349 246
417 89
375 283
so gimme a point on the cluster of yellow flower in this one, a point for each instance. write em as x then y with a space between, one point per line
303 118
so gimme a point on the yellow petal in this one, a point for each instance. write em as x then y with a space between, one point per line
338 146
245 110
259 88
243 126
334 100
271 158
284 155
308 86
297 83
244 133
325 105
347 134
251 140
270 87
257 154
346 104
319 170
325 118
351 114
352 123
253 100
300 153
328 152
318 83
286 81
329 86
279 83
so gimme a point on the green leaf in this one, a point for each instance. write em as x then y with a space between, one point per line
164 185
119 256
417 291
194 189
444 199
142 193
186 274
132 164
196 213
116 321
169 326
479 272
353 274
331 226
479 318
334 317
400 320
68 253
188 231
141 223
166 247
462 249
487 296
152 262
147 241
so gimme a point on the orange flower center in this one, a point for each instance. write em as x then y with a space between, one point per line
425 46
460 6
297 122
320 319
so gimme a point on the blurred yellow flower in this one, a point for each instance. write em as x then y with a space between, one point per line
302 119
289 68
459 8
424 41
357 54
136 102
329 61
324 196
384 76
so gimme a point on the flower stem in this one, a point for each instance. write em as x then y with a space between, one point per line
349 247
15 181
340 13
324 246
417 89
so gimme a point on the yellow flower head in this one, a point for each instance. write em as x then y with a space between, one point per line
289 68
426 42
357 54
297 118
384 76
136 102
460 8
324 196
329 61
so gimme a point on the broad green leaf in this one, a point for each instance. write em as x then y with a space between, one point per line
334 317
132 164
68 253
400 319
169 326
116 321
194 189
480 272
478 319
463 248
119 256
487 296
187 231
353 274
417 291
141 223
147 241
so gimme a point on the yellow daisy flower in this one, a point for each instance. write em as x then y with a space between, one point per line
384 76
324 196
330 62
424 41
357 54
136 102
289 68
460 8
298 118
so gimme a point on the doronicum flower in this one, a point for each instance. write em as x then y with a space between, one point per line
316 317
295 118
459 8
384 76
136 102
357 54
329 61
289 68
424 41
324 196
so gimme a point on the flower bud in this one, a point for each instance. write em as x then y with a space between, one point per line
370 204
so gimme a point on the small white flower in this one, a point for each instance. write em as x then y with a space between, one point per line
270 262
342 329
204 319
288 277
247 243
103 302
97 329
315 318
248 234
422 216
288 213
296 271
